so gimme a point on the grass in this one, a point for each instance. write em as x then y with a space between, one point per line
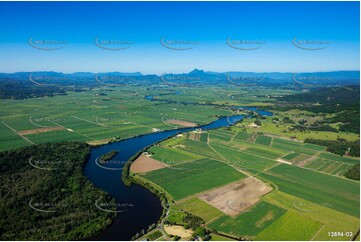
251 222
339 194
331 219
268 127
176 215
200 208
155 235
198 148
193 177
290 226
217 237
334 157
171 156
291 156
242 159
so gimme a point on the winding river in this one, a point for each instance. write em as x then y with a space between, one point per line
143 207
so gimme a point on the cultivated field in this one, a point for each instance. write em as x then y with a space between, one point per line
193 177
236 197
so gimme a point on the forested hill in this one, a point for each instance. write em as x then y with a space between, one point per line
20 89
328 96
45 196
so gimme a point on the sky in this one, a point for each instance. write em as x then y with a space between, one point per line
176 37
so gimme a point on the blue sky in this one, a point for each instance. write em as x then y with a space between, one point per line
209 24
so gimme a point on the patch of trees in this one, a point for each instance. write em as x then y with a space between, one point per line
257 122
108 156
342 101
45 196
328 96
339 146
20 89
314 128
353 172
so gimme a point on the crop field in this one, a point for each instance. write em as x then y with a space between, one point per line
313 200
199 148
243 136
292 146
217 237
172 156
331 219
263 140
290 226
193 177
338 158
328 166
242 159
213 136
291 156
267 153
339 194
119 113
200 208
249 223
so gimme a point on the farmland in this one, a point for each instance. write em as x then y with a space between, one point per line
249 223
306 186
190 178
290 226
310 192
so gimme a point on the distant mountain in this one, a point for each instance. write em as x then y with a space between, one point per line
195 77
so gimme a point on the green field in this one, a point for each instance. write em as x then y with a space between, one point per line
200 208
250 223
330 218
242 159
339 194
171 156
193 177
263 140
290 226
216 237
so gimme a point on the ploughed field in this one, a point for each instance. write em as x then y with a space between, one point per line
248 185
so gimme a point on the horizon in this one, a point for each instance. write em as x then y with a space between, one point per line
163 37
176 73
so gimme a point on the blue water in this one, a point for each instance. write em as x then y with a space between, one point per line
146 208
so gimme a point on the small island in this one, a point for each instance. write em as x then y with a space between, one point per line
108 156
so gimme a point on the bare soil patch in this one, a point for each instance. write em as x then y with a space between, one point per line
41 130
284 161
178 230
237 197
144 164
181 123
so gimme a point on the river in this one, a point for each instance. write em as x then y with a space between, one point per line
143 207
